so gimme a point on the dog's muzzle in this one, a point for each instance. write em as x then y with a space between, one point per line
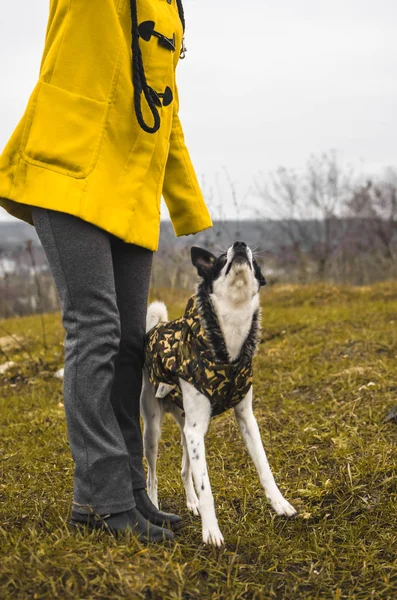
240 255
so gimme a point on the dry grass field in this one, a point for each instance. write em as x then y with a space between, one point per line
325 378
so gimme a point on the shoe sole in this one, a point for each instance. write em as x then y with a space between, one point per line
84 527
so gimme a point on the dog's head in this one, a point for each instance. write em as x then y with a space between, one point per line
234 273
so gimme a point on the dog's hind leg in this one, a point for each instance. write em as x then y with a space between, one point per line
198 413
153 414
252 438
186 471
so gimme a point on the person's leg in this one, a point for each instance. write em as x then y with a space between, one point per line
80 258
132 267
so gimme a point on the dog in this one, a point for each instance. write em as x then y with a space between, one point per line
198 366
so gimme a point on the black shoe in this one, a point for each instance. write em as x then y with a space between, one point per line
152 514
130 521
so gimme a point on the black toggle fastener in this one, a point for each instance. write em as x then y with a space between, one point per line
166 96
146 30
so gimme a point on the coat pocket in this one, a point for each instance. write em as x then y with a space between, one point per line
63 131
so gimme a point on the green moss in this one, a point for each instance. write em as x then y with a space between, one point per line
325 376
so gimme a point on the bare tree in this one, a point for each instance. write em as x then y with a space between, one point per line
308 207
374 204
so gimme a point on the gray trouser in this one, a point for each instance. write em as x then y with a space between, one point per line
103 285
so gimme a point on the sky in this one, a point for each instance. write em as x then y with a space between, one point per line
264 84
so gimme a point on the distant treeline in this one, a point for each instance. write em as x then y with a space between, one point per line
324 227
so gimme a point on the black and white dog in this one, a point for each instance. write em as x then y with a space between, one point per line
221 325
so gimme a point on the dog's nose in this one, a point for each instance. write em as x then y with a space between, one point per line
239 245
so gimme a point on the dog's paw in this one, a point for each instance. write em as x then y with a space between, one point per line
213 536
193 505
283 507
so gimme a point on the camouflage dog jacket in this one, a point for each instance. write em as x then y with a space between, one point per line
192 347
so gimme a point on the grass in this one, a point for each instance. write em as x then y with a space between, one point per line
325 377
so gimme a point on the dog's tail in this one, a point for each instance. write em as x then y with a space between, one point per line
157 313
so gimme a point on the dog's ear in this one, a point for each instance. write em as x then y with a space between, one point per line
258 273
202 260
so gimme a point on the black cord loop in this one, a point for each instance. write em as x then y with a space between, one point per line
138 73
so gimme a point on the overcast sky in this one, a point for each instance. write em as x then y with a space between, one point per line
263 84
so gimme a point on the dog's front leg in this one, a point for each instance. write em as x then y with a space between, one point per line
252 438
186 471
198 413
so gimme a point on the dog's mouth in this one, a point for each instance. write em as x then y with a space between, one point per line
239 258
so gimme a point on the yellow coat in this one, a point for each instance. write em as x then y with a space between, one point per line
79 148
